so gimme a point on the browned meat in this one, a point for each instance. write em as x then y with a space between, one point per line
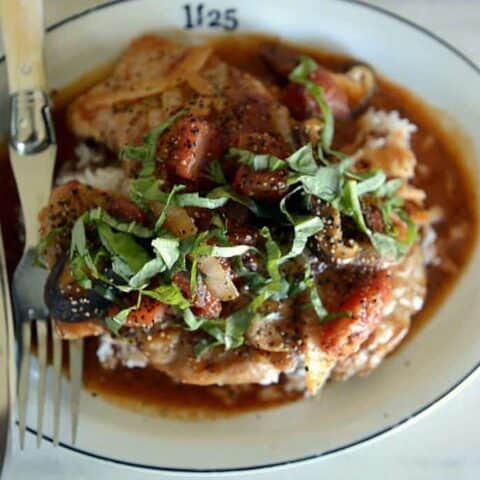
278 334
263 143
88 328
129 102
335 246
302 105
67 202
148 313
190 144
204 302
155 78
224 107
171 351
408 293
263 185
326 344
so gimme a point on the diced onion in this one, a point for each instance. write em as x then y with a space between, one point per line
217 278
177 222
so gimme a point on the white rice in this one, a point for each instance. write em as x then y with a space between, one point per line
112 352
379 123
379 131
86 170
110 179
295 381
87 156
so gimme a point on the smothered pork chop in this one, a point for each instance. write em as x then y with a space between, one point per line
232 243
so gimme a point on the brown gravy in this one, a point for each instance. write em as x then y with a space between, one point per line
441 172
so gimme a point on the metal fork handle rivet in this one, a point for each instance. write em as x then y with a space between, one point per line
31 125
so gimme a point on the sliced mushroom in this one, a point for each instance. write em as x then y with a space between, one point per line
359 84
333 246
68 302
280 58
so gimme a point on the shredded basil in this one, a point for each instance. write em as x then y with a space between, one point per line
389 188
370 181
214 327
203 345
79 272
257 161
215 172
303 160
315 299
147 272
146 153
168 249
304 227
301 74
226 191
170 199
121 268
236 326
388 246
99 215
78 238
228 252
124 246
116 322
275 286
195 200
169 295
149 189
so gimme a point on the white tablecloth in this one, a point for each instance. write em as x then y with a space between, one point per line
444 445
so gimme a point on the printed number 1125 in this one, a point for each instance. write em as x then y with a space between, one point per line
198 16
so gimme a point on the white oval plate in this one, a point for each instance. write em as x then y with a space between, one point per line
430 367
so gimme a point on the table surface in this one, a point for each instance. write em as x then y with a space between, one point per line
442 445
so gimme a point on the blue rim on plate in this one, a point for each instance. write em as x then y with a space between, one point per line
414 416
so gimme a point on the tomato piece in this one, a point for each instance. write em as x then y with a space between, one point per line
299 102
123 209
204 302
201 217
190 145
149 312
335 97
303 106
343 336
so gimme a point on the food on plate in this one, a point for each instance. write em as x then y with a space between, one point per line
233 237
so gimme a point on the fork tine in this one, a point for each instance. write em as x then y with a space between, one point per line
57 381
42 369
76 370
23 381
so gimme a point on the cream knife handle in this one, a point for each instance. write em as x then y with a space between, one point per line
32 137
23 36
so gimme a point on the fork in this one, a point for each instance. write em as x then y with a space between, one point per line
32 155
